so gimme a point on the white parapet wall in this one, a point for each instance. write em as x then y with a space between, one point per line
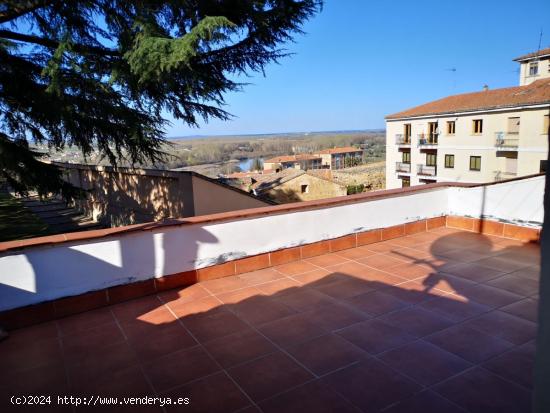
517 202
36 274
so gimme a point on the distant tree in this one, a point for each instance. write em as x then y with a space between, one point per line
100 74
257 165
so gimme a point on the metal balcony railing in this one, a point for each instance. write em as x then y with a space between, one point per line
506 140
428 139
403 167
401 139
427 170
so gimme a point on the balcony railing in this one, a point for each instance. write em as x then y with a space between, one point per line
502 175
403 167
425 139
506 140
401 139
426 170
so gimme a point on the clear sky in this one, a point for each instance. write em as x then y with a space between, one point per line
363 59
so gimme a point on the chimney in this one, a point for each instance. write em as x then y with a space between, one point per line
485 88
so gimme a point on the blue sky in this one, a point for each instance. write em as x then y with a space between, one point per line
361 60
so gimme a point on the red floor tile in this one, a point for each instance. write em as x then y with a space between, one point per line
269 375
213 394
376 303
327 260
460 340
179 368
455 308
239 347
291 330
417 321
295 268
480 391
304 299
424 362
473 272
491 296
261 276
515 284
311 397
370 385
425 402
506 326
215 325
375 336
527 309
85 321
516 365
260 310
333 316
78 347
326 353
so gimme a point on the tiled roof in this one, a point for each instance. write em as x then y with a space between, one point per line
292 158
536 93
543 52
346 149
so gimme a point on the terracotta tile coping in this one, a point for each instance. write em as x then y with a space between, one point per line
245 213
47 311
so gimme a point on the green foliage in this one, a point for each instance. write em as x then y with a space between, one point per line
355 189
257 165
100 75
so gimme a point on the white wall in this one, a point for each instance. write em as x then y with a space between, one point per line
42 273
38 274
518 202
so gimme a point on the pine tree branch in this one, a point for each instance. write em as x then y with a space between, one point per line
53 44
19 9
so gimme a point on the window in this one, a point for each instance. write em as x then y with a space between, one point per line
475 163
546 125
431 159
406 157
449 161
451 127
407 131
543 164
533 69
305 189
477 126
513 126
405 182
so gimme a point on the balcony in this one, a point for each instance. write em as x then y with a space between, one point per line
503 175
403 167
426 170
428 140
506 141
402 140
237 312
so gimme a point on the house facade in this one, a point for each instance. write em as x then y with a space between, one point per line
483 136
300 161
339 158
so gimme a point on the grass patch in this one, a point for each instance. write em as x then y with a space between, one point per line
17 222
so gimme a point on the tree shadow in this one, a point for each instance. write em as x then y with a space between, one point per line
211 330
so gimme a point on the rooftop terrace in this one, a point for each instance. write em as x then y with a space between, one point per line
442 320
412 300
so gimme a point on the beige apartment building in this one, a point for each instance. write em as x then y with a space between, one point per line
334 158
483 136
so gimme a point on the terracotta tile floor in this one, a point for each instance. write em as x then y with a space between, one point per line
439 321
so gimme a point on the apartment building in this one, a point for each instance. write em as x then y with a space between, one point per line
300 161
483 136
339 158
